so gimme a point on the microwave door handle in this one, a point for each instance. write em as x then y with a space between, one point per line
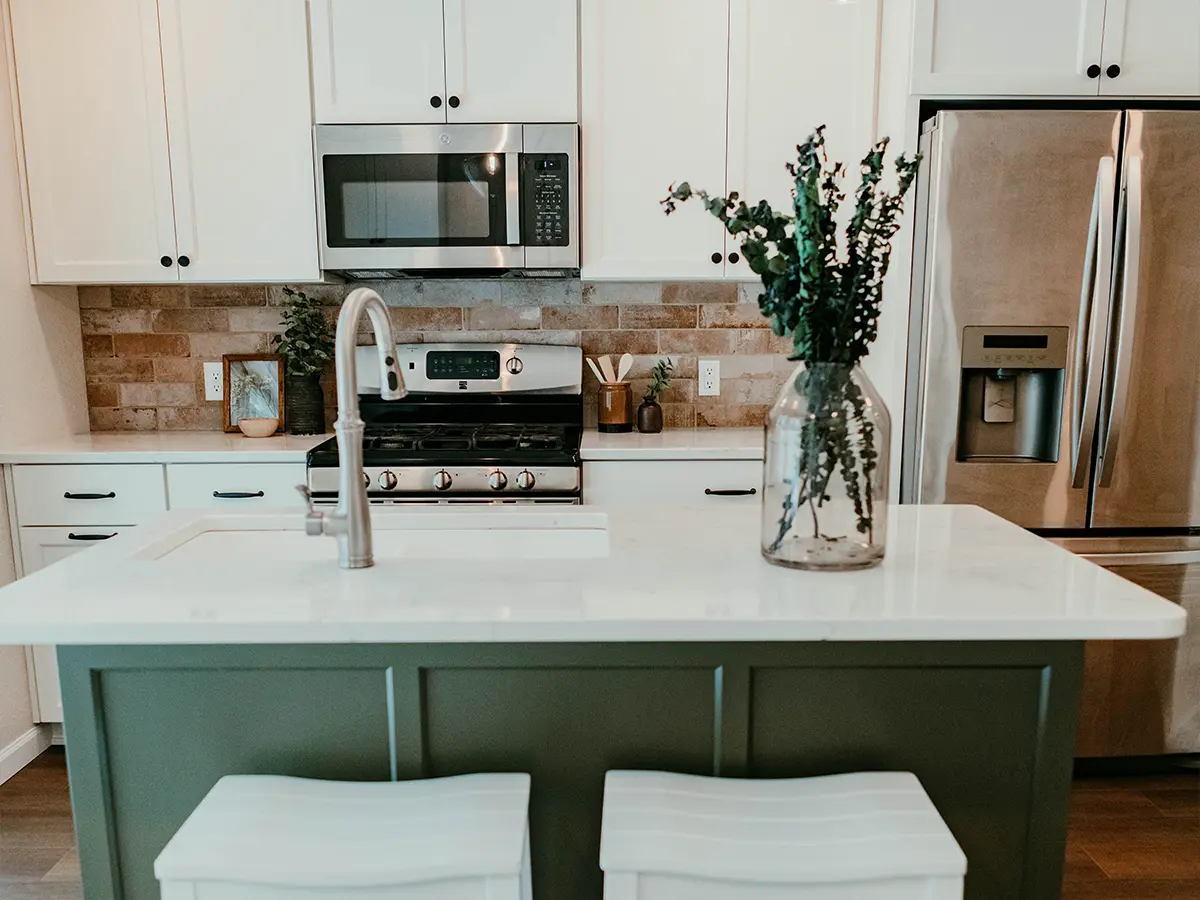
1092 330
512 184
1131 219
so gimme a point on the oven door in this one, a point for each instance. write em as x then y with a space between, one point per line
1142 698
419 196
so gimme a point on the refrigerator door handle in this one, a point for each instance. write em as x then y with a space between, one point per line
1092 329
1131 220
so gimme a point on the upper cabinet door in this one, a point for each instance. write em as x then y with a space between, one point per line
769 116
1151 47
516 61
1007 46
240 122
648 124
95 140
378 61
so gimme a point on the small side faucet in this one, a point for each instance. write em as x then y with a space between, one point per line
350 523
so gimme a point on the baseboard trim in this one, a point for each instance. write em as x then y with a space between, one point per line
23 751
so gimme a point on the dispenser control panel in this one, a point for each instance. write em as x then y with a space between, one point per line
1015 347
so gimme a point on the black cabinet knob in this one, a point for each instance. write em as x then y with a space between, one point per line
734 258
1093 71
1113 71
435 102
716 258
166 261
184 261
454 102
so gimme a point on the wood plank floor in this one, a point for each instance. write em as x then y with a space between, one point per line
1132 838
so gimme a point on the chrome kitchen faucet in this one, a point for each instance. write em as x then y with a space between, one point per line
350 523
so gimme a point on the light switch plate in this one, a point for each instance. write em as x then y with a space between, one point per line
710 378
214 381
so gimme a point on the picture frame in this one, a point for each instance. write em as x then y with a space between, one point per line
253 388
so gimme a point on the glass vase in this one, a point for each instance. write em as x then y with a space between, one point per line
825 487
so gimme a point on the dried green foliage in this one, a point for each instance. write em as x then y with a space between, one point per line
825 297
307 340
826 300
660 380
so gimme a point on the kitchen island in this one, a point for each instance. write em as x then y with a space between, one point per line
565 642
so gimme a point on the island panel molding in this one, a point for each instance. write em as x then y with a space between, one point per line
988 728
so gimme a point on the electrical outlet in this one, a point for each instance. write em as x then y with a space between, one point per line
214 381
710 378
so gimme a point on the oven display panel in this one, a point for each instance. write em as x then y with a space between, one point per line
462 365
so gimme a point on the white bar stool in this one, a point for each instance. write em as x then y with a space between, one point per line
272 838
865 836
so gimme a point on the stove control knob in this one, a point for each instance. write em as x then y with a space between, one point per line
525 480
442 480
514 366
388 480
366 481
497 481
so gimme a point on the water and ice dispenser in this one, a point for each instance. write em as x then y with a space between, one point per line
1011 398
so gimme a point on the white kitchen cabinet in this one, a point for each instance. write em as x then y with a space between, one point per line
1156 46
235 486
41 547
95 139
240 121
434 61
769 115
672 482
378 61
1012 47
654 103
516 61
156 157
88 494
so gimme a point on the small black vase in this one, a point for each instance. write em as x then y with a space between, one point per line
649 417
304 404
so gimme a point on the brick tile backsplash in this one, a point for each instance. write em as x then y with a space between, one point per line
144 345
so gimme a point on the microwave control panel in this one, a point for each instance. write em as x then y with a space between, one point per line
546 189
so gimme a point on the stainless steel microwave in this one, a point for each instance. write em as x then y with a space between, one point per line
399 197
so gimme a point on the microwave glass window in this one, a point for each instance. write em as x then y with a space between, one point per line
415 200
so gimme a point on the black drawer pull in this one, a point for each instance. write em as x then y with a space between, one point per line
90 537
738 492
237 495
109 496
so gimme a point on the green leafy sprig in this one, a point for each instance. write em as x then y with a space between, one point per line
307 340
660 380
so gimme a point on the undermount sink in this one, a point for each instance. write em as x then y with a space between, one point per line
484 534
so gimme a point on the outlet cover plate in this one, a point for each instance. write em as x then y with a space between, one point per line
710 378
214 381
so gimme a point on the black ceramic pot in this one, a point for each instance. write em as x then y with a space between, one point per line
304 404
649 417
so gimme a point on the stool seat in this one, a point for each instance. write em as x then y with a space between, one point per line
293 832
839 829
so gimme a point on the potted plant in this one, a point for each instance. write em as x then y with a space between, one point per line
306 346
650 414
826 479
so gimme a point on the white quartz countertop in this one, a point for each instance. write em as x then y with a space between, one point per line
675 443
163 447
668 574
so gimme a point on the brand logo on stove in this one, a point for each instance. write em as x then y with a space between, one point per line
462 385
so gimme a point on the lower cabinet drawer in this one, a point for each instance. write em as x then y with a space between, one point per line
672 482
235 485
88 494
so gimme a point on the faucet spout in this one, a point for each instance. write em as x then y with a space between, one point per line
350 523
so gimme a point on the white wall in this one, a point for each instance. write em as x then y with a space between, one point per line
41 379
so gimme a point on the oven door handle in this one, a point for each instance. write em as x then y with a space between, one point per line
512 197
1148 558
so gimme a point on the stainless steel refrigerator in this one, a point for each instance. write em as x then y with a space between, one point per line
1054 367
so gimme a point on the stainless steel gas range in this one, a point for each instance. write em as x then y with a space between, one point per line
482 424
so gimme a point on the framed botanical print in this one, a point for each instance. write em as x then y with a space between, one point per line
253 388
